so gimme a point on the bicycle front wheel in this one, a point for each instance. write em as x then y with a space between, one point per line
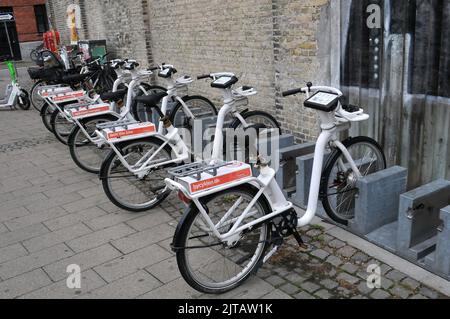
199 106
210 265
338 187
46 116
124 188
84 153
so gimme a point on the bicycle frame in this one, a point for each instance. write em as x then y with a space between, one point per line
13 90
266 183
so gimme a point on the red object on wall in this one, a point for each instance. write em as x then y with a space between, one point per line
52 40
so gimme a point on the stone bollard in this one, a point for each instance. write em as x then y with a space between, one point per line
303 180
419 220
442 254
287 173
378 200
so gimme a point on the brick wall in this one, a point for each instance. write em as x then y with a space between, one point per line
25 18
270 44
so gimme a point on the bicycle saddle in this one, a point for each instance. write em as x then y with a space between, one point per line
151 100
75 78
114 96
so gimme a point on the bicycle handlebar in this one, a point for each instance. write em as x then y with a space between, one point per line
292 92
204 76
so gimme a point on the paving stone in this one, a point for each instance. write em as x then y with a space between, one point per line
380 294
350 268
131 286
348 278
254 288
276 294
12 252
59 290
56 237
47 205
386 283
111 219
427 292
165 271
400 292
144 238
9 214
85 260
336 244
418 297
36 260
320 253
131 263
329 284
35 218
364 288
177 289
395 275
360 258
275 280
310 286
334 260
23 284
154 218
304 295
3 228
323 294
411 283
296 278
289 288
100 237
346 251
74 218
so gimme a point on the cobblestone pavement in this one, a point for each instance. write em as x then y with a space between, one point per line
52 215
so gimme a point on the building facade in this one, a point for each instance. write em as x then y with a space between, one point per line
391 57
25 31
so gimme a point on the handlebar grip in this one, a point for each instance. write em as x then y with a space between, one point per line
292 92
204 76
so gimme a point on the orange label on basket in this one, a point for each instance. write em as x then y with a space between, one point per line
90 111
220 180
68 96
133 131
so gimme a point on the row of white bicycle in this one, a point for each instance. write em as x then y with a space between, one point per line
135 139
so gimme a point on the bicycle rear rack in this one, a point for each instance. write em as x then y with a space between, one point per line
195 170
113 125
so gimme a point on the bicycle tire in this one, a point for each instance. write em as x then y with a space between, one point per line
324 187
182 234
73 144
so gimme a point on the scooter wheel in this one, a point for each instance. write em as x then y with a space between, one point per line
24 101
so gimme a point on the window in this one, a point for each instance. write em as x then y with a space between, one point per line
41 18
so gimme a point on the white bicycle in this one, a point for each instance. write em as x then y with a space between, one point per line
235 222
133 174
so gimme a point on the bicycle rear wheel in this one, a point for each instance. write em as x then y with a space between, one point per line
61 127
209 265
124 188
338 186
84 153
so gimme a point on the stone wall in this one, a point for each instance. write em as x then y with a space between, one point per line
269 44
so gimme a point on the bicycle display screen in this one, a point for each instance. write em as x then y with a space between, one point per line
224 82
323 101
